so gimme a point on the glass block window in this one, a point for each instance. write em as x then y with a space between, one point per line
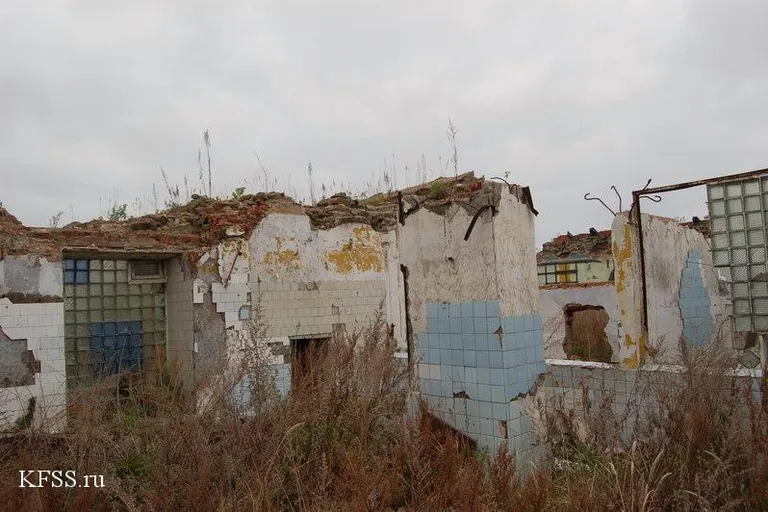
76 271
110 324
116 347
738 215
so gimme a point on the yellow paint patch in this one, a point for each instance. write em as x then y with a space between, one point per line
363 253
631 362
639 353
622 256
288 258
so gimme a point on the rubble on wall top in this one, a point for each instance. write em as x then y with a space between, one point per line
700 225
203 221
6 218
595 245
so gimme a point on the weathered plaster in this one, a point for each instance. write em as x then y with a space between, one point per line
444 267
30 275
362 253
555 299
628 290
515 257
667 247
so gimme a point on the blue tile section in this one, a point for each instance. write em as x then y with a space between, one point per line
474 363
282 379
695 304
116 347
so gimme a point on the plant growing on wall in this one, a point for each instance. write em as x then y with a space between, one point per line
118 212
238 192
55 219
452 132
207 144
437 189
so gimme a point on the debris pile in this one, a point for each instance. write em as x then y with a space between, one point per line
584 246
204 222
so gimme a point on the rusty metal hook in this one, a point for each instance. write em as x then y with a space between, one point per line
617 195
509 185
586 198
655 199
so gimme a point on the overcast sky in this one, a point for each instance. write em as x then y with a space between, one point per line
570 97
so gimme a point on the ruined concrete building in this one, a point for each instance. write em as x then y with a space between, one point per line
453 265
596 318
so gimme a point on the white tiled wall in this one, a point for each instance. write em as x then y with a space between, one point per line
179 304
291 309
229 299
42 325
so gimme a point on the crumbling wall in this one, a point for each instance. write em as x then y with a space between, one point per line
304 283
611 401
30 279
474 308
32 363
682 290
310 281
554 300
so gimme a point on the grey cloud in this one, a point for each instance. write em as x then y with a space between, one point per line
569 97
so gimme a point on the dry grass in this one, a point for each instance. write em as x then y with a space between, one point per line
699 442
344 441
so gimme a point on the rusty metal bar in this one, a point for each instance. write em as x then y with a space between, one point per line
643 282
613 187
474 219
697 183
587 198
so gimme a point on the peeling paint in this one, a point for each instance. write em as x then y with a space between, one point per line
639 354
362 253
622 256
288 258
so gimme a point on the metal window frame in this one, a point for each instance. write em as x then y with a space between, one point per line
155 278
556 274
636 217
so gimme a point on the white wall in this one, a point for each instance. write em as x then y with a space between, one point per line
310 280
667 248
42 325
444 267
555 299
515 256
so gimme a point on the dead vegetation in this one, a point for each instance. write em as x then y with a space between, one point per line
693 440
344 441
349 439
